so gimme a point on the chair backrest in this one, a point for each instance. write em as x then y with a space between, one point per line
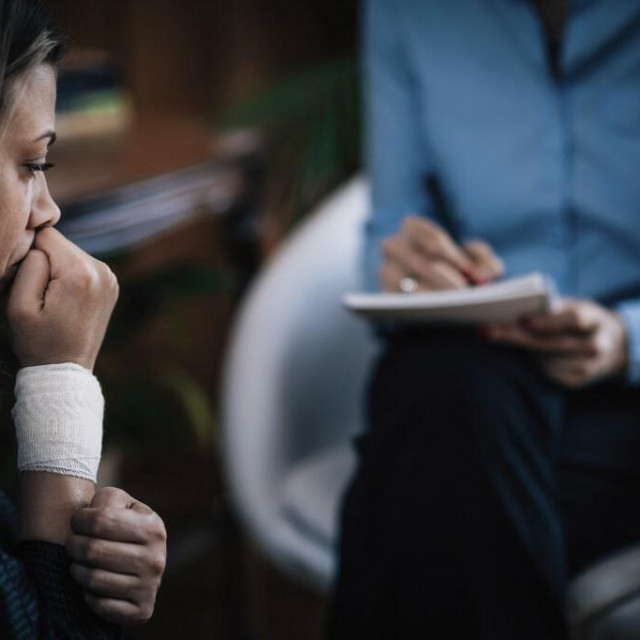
297 363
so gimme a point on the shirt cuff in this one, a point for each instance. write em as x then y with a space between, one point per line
630 314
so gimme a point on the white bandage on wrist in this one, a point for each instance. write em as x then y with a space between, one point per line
58 420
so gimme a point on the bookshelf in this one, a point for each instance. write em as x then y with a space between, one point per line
199 57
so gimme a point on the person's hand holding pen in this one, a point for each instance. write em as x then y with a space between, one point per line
424 257
578 343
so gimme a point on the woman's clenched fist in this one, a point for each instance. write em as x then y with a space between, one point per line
60 303
119 550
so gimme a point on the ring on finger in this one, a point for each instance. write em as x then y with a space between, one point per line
408 285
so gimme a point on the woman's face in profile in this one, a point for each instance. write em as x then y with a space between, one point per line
25 202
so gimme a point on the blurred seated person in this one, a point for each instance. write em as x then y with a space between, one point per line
56 303
503 138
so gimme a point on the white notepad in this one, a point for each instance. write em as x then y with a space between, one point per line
502 302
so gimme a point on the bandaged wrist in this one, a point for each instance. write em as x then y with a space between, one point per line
58 420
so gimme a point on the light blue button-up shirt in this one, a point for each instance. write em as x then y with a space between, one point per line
545 169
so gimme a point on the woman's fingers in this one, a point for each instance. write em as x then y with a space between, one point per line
566 366
442 277
552 344
104 583
120 612
487 265
435 243
29 287
60 303
117 524
424 251
391 275
119 553
115 515
573 316
112 497
62 253
120 557
572 372
430 272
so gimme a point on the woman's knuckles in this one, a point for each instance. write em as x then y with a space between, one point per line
83 277
94 580
103 523
94 552
102 553
108 496
392 247
146 611
158 528
104 608
157 562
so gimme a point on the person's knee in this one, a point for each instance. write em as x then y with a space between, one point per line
442 365
453 382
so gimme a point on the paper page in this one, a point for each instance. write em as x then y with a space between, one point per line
504 301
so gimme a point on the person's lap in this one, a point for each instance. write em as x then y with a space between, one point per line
598 472
422 486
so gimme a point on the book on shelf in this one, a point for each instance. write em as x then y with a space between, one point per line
92 102
122 218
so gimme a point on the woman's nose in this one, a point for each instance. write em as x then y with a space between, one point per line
44 211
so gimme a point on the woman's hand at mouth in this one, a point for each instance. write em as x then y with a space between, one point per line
60 303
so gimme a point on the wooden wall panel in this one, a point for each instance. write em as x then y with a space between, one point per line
200 56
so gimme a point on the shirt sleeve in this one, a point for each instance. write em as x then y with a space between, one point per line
59 612
630 313
396 153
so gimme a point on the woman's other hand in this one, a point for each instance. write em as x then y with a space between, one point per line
118 548
424 252
578 343
60 303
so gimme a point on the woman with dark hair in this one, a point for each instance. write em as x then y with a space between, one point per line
58 301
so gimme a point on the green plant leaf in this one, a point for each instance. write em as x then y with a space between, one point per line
313 124
195 403
146 296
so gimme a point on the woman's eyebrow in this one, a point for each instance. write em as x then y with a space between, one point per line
48 134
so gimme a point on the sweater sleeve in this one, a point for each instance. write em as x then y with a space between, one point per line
51 603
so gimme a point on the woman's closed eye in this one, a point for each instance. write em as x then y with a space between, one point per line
33 167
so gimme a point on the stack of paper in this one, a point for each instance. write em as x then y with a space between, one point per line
503 302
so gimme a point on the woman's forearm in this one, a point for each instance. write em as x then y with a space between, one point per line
58 420
47 502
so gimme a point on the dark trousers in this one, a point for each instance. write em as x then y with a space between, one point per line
481 488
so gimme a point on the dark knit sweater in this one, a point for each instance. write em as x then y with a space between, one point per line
38 598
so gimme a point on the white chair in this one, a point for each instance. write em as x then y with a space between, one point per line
293 390
292 401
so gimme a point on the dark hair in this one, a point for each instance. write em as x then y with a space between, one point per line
27 39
